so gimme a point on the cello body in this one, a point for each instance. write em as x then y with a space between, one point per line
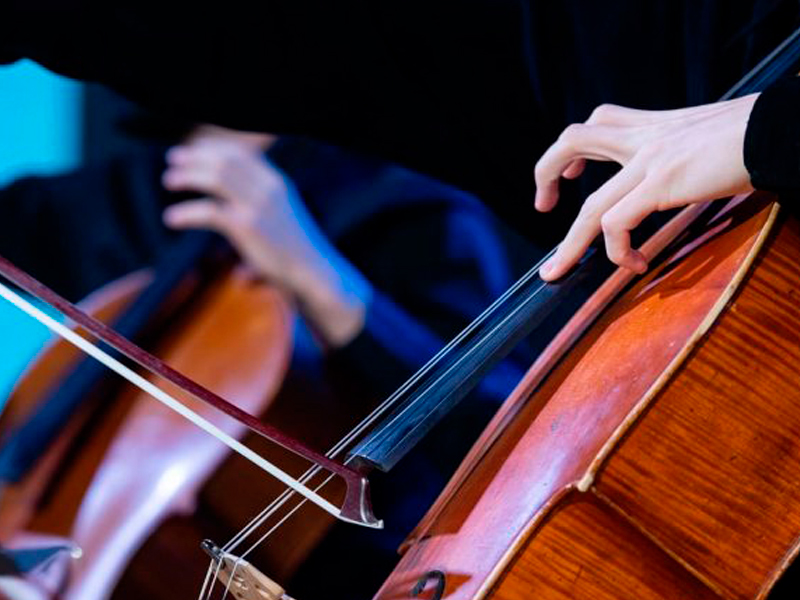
109 481
659 458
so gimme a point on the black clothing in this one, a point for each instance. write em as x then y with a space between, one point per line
772 142
471 92
78 231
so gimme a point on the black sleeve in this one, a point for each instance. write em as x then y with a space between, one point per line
78 231
772 140
425 292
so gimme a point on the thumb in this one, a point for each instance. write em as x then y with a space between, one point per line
204 213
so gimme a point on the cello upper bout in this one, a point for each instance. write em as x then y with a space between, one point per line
678 464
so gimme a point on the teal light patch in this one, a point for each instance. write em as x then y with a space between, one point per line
40 124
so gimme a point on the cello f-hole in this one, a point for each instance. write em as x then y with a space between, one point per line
441 581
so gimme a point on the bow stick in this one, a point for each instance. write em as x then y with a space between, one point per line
356 507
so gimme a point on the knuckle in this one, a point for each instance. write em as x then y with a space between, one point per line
615 255
245 219
228 161
231 223
609 223
604 113
572 135
223 169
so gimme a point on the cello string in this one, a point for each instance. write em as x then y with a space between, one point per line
383 407
288 494
457 364
212 573
265 514
212 577
761 67
279 501
232 574
239 559
482 318
274 528
257 522
263 538
466 355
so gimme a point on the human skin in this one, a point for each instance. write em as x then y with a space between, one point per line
668 158
257 208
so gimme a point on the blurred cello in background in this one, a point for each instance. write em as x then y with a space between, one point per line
124 463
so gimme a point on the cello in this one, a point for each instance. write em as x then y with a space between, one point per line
726 221
77 489
653 450
256 486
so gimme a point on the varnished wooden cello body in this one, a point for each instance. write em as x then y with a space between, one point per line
659 458
653 450
594 450
139 463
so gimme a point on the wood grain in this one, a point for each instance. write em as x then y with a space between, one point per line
701 528
608 559
713 471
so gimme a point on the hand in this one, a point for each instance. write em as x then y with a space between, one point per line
259 211
255 143
669 159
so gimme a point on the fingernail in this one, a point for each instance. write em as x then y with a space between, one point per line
546 269
640 266
641 263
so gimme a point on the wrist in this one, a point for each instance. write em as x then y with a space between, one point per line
333 297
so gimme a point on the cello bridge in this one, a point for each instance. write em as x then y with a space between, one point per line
242 579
